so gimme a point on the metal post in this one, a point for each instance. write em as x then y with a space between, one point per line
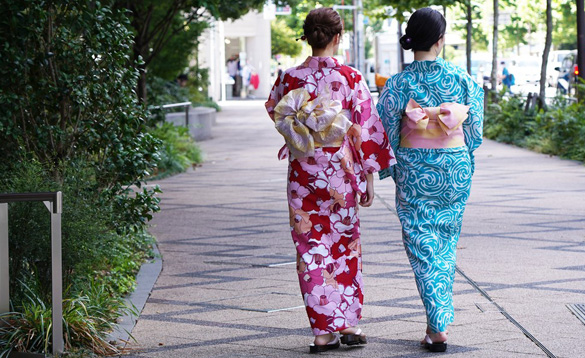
187 116
54 202
57 273
4 267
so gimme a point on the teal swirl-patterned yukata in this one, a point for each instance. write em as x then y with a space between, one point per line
434 152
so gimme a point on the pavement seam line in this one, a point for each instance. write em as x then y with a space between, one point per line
506 314
487 296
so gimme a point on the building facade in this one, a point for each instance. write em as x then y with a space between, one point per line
245 41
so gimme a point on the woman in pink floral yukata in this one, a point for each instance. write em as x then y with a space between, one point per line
335 142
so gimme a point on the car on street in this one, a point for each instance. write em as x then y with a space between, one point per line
526 69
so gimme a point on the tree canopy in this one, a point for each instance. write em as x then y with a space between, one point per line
283 39
157 22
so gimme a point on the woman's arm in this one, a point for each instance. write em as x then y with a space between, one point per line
473 125
275 96
390 109
368 135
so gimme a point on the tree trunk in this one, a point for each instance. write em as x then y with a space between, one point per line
547 44
494 75
141 85
140 54
469 37
580 45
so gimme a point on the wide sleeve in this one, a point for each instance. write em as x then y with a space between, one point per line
391 110
372 146
275 95
473 125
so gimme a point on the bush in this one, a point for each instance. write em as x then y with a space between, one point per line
71 122
68 93
99 265
562 132
87 225
506 121
161 91
558 130
86 318
179 151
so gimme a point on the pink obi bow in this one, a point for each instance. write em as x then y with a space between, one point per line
449 116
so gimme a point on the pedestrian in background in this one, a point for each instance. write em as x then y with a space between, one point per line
233 69
433 114
508 79
334 142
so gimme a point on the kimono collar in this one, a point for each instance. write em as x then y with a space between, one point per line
423 66
320 62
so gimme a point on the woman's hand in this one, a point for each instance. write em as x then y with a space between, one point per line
367 198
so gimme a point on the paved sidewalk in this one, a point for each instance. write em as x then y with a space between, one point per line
229 288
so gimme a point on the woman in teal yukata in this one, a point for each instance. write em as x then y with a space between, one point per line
433 114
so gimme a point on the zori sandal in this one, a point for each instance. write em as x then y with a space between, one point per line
434 347
333 344
353 339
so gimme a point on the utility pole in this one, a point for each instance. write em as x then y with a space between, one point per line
359 55
358 38
581 44
399 49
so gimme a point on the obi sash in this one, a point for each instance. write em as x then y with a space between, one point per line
306 124
433 127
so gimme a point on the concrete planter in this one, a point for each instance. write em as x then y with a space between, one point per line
201 119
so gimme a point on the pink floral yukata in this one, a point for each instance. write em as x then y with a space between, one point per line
324 183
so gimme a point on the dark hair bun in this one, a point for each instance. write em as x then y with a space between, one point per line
321 26
424 28
406 42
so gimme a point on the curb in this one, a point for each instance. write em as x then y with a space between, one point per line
145 280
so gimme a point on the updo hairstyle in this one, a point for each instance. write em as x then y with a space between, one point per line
424 28
321 26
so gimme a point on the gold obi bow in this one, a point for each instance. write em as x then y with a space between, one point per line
448 115
306 124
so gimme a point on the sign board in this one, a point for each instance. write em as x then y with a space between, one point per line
283 10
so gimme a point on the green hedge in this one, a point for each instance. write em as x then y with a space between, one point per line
99 264
558 130
71 122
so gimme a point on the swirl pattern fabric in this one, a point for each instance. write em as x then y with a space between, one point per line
432 184
432 187
431 83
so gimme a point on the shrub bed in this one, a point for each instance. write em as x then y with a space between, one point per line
558 130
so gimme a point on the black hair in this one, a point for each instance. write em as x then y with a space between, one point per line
321 26
424 28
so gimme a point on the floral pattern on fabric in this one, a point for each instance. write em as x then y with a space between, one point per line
324 184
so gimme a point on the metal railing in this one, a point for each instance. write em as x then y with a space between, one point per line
54 202
187 105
